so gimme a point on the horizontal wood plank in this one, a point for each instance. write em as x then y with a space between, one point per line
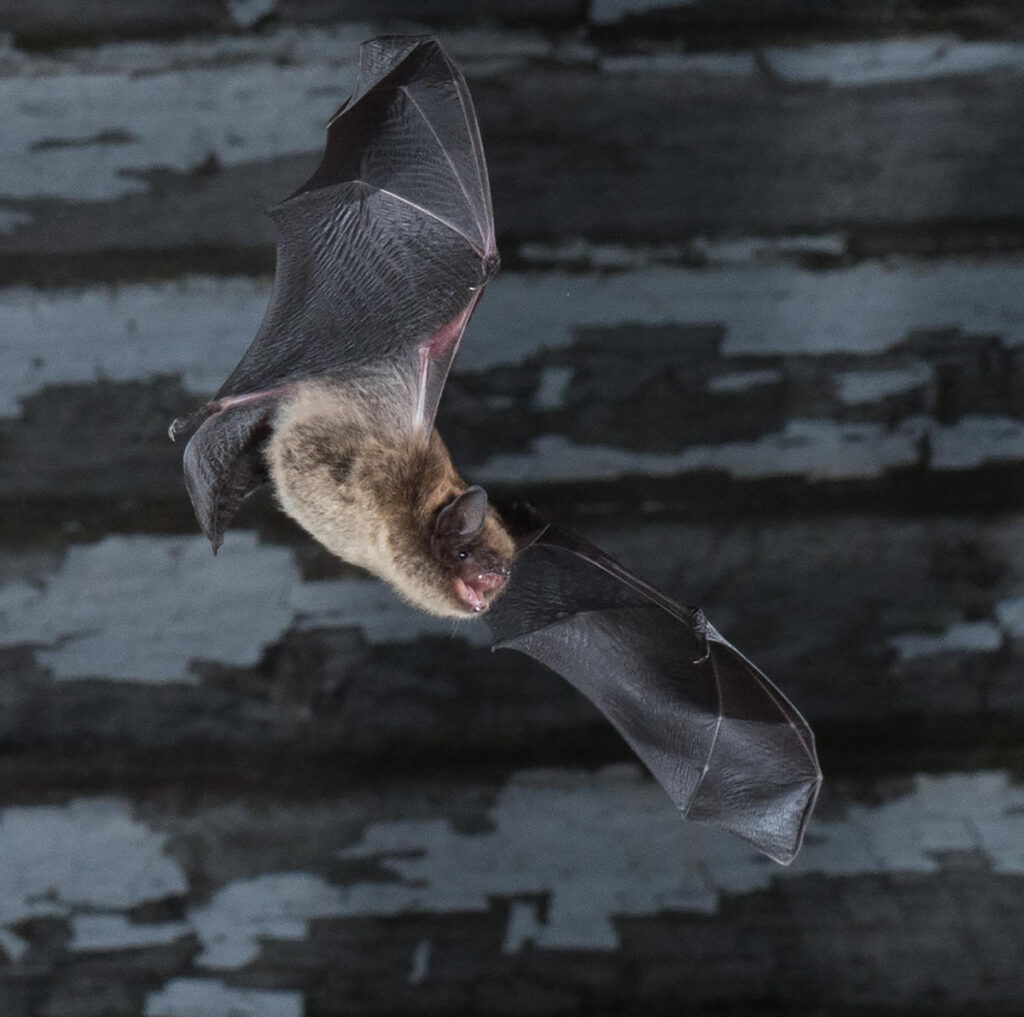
540 893
183 159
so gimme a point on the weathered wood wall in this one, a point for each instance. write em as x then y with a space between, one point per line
759 333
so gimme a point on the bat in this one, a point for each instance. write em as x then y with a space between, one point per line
382 256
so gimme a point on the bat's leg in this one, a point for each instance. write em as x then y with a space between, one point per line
701 625
180 425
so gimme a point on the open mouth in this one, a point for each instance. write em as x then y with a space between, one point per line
474 593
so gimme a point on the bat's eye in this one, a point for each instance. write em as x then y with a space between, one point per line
463 553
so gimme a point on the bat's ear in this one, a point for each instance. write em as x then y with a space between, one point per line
464 518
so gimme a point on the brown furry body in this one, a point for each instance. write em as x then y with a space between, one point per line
369 487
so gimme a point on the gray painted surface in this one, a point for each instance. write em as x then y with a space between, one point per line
911 140
759 335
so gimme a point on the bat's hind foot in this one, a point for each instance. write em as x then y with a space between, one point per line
182 425
179 425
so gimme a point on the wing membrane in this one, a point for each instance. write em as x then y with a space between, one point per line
381 257
722 740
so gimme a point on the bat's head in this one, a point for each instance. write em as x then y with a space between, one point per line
474 549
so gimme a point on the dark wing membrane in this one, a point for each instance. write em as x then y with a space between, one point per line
391 238
381 257
224 464
725 744
362 279
411 129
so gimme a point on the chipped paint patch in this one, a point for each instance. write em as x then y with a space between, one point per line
730 65
1010 615
751 250
976 440
182 104
601 845
198 328
717 253
961 637
191 997
175 119
524 925
277 905
554 384
247 13
91 855
12 218
858 387
103 932
142 608
420 964
603 12
331 45
815 449
594 846
855 64
740 381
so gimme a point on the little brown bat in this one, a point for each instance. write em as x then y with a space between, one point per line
382 256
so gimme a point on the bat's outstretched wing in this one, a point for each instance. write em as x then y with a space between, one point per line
381 257
723 741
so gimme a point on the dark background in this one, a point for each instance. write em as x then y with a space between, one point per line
757 332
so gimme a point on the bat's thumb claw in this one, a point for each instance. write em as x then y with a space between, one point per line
178 425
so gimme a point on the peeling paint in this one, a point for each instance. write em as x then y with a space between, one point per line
183 103
420 965
524 924
197 328
593 846
713 252
1010 615
858 387
12 218
607 11
730 65
976 440
247 13
605 844
330 45
91 855
740 381
143 608
176 120
961 637
750 250
103 932
208 997
276 905
815 449
877 61
554 383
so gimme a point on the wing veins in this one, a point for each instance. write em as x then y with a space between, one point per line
473 125
705 769
448 159
778 698
420 208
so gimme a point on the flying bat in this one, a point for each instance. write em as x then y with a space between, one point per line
382 256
